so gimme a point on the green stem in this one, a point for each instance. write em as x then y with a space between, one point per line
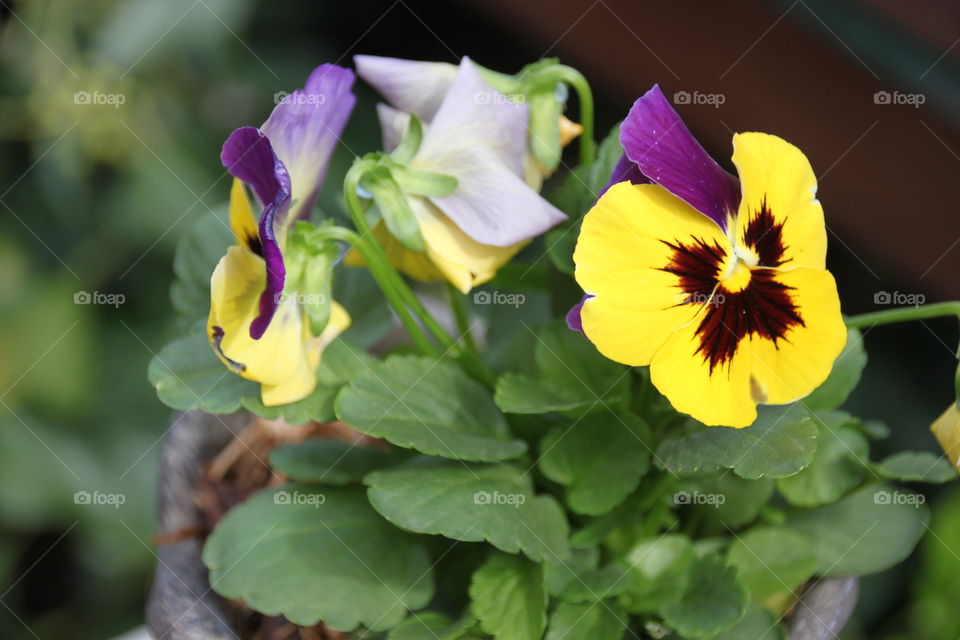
399 286
401 298
462 317
381 269
904 314
588 145
470 355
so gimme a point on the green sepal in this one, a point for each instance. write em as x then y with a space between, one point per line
545 111
417 182
410 143
310 259
379 182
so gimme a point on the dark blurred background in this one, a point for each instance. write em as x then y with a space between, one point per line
95 192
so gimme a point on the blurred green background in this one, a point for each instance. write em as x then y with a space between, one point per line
94 196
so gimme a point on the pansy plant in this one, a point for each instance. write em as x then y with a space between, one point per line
593 471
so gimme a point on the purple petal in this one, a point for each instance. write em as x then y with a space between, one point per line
248 155
304 129
625 170
479 137
574 321
408 85
655 138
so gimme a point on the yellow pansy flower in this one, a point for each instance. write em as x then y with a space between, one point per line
719 285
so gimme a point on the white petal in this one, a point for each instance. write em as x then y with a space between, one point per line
393 124
409 85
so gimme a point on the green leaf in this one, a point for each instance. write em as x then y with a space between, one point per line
781 442
916 466
342 362
312 554
843 378
393 206
626 517
328 461
756 624
197 254
714 601
659 570
600 460
572 375
429 625
187 375
430 406
579 579
726 498
509 598
866 532
426 625
772 560
474 502
587 621
318 406
370 316
838 465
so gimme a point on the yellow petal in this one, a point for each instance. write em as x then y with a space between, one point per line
799 362
279 359
338 323
569 131
303 381
450 254
242 222
721 397
777 182
462 260
620 259
415 264
946 428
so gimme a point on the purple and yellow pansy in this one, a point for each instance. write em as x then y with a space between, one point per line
257 330
718 284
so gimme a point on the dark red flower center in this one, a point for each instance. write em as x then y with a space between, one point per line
764 307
